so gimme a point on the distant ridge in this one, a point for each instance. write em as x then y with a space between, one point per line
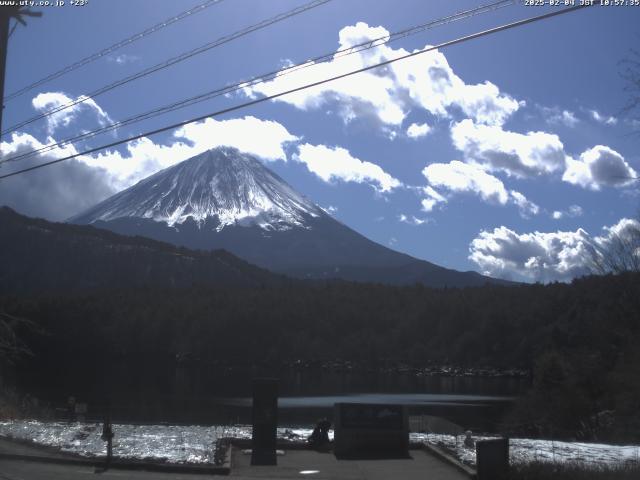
37 255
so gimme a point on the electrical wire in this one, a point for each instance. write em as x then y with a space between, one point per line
116 46
172 61
449 43
369 44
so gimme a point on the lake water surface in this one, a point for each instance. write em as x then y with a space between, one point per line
222 396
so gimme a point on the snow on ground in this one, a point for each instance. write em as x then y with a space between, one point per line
195 444
525 450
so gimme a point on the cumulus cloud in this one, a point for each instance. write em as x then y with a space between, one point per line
460 177
416 130
50 100
263 138
516 154
534 256
599 167
538 153
387 94
336 163
543 256
53 193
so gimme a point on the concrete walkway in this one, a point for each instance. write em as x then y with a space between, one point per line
293 464
12 447
25 470
314 465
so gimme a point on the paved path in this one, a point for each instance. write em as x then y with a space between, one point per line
23 448
325 466
21 470
294 464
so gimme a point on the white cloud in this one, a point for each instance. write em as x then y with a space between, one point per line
520 155
540 256
387 94
572 212
558 116
338 164
411 220
597 167
416 130
331 210
565 117
533 256
605 119
123 59
47 101
263 138
457 176
526 206
460 177
56 192
432 199
539 153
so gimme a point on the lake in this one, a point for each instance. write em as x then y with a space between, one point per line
222 396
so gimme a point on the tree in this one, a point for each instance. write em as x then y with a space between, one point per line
619 251
11 346
630 73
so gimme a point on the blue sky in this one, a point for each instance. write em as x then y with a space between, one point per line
507 155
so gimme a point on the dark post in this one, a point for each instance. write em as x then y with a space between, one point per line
492 459
6 13
265 421
107 436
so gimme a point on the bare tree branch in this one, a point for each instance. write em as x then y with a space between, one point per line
11 346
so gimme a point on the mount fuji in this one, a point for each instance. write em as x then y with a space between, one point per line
223 198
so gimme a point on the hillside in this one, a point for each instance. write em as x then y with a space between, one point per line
38 255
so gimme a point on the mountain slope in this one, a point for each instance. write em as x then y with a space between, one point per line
226 199
234 188
39 255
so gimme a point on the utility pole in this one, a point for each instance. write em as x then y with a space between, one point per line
6 14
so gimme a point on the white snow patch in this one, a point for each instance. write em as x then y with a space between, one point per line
195 443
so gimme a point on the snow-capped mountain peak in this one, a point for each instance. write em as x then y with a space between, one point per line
223 184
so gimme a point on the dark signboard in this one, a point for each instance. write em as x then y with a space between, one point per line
359 415
364 430
492 459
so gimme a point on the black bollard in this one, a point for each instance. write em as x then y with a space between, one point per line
265 421
107 436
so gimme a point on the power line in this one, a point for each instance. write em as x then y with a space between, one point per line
172 61
116 46
449 43
369 44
